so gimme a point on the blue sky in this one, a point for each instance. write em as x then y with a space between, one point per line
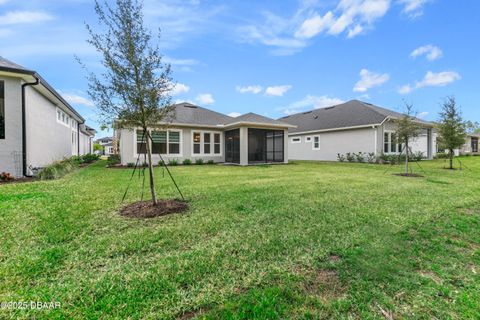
272 57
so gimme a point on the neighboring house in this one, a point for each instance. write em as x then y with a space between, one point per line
354 126
107 144
470 146
37 126
198 133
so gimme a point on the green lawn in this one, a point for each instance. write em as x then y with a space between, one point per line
305 240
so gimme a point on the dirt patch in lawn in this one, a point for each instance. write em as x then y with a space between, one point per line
410 175
146 209
20 180
324 284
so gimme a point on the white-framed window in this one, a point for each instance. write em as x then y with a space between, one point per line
308 139
316 143
390 143
206 143
63 118
296 140
164 142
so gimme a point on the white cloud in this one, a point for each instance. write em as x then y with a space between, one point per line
440 79
234 114
310 102
180 62
78 100
369 79
24 17
179 88
249 89
413 8
430 51
422 115
432 79
315 25
277 91
205 98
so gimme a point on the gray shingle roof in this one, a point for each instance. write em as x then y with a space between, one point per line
7 64
187 113
256 118
349 114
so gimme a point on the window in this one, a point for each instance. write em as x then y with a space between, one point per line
206 143
196 142
63 118
390 144
216 141
296 140
2 110
159 142
316 143
308 139
141 142
173 142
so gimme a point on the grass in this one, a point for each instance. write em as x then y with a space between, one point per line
305 240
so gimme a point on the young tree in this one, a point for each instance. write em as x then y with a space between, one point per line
133 89
407 130
451 128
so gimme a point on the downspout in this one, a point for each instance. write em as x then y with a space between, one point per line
78 138
24 127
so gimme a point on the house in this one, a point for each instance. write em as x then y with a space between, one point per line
199 133
107 144
37 125
351 127
470 146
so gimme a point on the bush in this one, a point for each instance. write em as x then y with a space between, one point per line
371 158
340 157
5 176
78 160
57 169
350 157
417 156
210 162
359 156
131 164
172 162
187 162
112 160
91 157
199 161
441 155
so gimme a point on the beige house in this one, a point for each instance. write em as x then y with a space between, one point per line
199 133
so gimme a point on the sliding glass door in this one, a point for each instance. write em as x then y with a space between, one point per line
265 145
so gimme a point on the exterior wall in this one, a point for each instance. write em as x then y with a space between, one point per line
128 142
12 144
332 143
47 139
86 144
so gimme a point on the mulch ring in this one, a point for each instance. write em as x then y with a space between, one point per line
146 209
20 180
411 175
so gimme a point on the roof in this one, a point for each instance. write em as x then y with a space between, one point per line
9 66
190 114
105 138
353 113
256 118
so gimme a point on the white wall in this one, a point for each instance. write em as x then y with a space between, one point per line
13 124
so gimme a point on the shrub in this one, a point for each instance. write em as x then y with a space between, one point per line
91 157
340 157
359 156
78 160
57 169
187 162
417 156
441 155
131 164
172 162
5 176
112 160
350 157
210 162
371 158
199 161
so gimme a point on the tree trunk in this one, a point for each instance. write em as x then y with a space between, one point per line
451 159
150 169
406 158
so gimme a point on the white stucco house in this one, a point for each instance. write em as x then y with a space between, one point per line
37 126
199 133
351 127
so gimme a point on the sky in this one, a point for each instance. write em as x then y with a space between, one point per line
271 57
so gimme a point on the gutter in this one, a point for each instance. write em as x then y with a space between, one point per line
24 127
